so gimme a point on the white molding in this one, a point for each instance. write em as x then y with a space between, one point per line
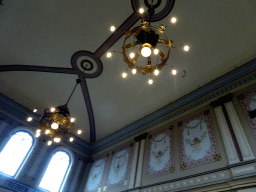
227 138
134 163
239 132
140 163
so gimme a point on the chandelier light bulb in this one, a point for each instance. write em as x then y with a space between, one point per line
112 28
35 110
146 51
54 125
56 139
134 71
72 120
186 48
109 55
132 55
124 74
49 143
156 51
79 132
29 119
52 109
47 131
38 131
38 134
71 139
141 10
150 81
156 72
173 20
174 71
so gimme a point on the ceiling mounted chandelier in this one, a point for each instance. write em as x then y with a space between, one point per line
56 122
146 49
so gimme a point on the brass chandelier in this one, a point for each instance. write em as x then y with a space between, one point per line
56 122
147 37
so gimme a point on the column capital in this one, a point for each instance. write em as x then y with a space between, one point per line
141 137
222 100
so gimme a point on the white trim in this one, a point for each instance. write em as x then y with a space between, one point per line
227 138
239 132
140 163
134 164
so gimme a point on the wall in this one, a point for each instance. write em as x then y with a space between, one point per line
230 166
32 171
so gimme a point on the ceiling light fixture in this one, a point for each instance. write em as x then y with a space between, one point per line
147 39
56 121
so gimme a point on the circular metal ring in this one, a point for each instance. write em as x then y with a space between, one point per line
84 64
98 63
156 17
158 3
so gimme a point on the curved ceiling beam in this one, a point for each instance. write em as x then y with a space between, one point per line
89 108
120 31
4 68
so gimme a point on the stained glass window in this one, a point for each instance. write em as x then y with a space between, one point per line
15 152
56 172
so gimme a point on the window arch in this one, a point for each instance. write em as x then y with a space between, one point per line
15 152
56 171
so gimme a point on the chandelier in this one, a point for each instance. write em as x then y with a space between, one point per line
146 49
56 122
148 38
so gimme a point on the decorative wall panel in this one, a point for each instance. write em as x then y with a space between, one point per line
248 102
160 155
120 166
96 175
198 144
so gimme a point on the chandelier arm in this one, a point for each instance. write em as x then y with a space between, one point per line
131 44
137 55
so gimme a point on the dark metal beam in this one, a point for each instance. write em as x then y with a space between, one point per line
4 68
89 108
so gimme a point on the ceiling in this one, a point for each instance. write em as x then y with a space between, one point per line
221 35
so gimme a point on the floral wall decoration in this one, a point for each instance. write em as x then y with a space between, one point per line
119 166
198 144
160 155
248 103
96 175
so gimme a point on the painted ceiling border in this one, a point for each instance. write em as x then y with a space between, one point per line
165 113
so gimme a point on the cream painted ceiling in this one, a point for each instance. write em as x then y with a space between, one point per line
221 35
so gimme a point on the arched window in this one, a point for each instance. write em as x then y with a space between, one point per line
56 172
15 152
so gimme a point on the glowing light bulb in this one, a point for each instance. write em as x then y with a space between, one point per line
71 139
150 81
47 131
56 139
174 71
112 28
141 10
174 20
53 109
156 72
134 71
186 48
72 120
156 51
38 134
38 131
124 74
132 55
35 110
146 51
49 143
54 125
79 132
109 55
29 119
